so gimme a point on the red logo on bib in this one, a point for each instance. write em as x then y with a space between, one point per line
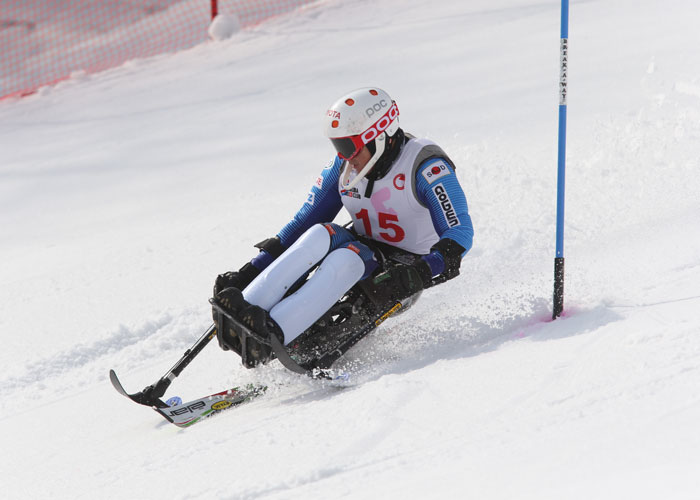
400 182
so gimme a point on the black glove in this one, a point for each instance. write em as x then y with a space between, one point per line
399 281
242 278
236 279
405 279
451 252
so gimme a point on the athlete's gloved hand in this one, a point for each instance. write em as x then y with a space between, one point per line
236 279
407 279
270 249
451 253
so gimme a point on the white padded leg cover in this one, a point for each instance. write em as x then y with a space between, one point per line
336 275
270 286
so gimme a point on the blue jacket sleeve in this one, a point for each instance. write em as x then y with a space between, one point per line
322 205
438 189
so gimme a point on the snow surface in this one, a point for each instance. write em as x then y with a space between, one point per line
123 194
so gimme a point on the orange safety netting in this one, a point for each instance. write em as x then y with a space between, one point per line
45 41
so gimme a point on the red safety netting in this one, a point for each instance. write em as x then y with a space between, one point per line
45 41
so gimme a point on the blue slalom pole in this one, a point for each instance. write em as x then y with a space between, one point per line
561 163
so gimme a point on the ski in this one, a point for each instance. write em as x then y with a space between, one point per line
191 412
187 414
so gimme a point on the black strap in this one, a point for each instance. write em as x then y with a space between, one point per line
368 189
273 246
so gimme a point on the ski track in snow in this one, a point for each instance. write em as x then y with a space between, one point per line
85 365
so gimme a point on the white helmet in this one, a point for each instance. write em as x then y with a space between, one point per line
358 118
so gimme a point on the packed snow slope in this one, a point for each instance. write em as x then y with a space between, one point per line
123 194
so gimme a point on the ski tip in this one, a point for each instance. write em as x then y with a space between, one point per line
116 383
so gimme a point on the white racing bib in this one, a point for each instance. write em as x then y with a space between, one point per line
393 213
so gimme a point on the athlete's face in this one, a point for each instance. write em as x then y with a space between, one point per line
359 161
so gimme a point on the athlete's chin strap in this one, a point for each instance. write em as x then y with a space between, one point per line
348 184
383 164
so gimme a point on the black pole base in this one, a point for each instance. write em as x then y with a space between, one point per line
558 287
